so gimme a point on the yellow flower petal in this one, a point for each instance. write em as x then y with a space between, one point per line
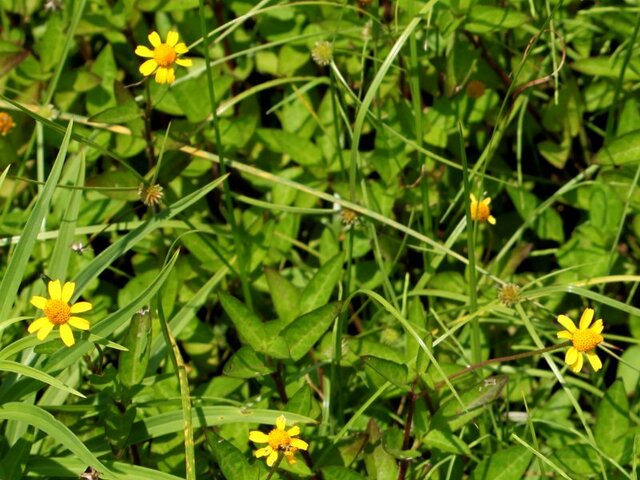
491 219
299 444
263 452
271 459
171 76
172 38
81 307
45 330
154 39
258 437
67 291
148 67
38 302
38 324
594 360
597 326
161 75
184 62
181 48
567 323
576 367
66 334
487 201
565 334
79 323
291 460
143 51
571 355
55 290
281 422
473 198
586 318
293 431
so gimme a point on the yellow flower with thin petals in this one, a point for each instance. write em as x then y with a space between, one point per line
163 56
480 211
57 311
279 441
585 339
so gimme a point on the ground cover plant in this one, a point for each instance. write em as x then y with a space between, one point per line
321 239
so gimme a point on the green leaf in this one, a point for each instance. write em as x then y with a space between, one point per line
133 362
394 372
620 151
302 151
56 430
232 462
319 289
17 265
609 67
446 442
285 296
612 423
306 330
548 225
122 113
336 472
630 374
165 6
414 356
9 366
485 18
250 328
246 363
508 464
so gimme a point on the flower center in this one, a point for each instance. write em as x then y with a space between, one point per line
279 439
585 340
164 55
480 212
57 311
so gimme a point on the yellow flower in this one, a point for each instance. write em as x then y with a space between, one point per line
162 57
279 440
480 211
57 311
6 123
584 339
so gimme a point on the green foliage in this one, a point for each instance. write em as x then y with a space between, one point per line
284 230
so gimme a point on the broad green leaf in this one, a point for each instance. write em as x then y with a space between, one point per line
232 462
620 151
336 472
56 430
548 225
508 464
247 363
250 328
612 423
171 422
394 372
610 67
445 441
306 330
302 151
414 356
163 5
581 460
319 289
122 113
485 18
630 375
17 264
133 362
285 296
452 415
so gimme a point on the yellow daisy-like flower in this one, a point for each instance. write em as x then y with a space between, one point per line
279 440
584 339
57 311
163 56
480 211
6 123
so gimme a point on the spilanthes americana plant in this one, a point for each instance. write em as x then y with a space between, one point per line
59 313
280 442
163 57
177 162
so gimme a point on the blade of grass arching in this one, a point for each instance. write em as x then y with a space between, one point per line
243 254
373 90
62 250
109 255
55 430
185 396
59 467
476 354
18 262
20 369
541 456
